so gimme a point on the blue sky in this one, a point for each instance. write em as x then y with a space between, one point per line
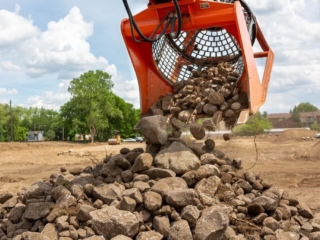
44 44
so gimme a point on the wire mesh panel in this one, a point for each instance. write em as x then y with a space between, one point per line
177 58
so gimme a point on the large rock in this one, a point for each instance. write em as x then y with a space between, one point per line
154 129
35 191
180 230
152 200
143 162
181 198
4 196
35 211
166 185
111 222
190 214
16 213
162 225
212 224
107 193
177 157
208 186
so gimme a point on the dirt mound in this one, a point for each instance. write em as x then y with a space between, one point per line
311 153
296 133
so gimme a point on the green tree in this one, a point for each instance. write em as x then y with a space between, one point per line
315 127
257 124
295 114
92 101
50 134
306 107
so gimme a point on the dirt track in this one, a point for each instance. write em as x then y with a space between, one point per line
21 164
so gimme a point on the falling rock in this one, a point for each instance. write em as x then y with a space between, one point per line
143 162
212 224
35 211
111 222
107 193
149 235
216 98
181 198
177 157
209 125
208 186
197 131
180 230
154 129
166 185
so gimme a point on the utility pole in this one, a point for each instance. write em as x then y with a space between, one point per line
11 126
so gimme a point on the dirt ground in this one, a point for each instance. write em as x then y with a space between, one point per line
278 161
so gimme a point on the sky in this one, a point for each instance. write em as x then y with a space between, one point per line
45 44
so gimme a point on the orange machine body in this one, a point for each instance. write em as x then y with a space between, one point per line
195 16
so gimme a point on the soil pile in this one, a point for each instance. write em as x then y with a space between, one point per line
311 153
177 192
296 134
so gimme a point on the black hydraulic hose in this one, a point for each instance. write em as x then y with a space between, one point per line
148 39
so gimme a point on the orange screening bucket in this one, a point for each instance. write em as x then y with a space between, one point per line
211 32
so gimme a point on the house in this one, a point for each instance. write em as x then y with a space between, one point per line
285 120
35 136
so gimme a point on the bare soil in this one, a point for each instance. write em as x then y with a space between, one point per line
276 160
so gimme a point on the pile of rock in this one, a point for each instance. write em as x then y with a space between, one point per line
179 193
72 152
211 92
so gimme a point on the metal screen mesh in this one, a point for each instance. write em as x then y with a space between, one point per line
177 58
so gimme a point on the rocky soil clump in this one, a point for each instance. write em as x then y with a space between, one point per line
211 92
177 192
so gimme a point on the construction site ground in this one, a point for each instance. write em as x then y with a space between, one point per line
285 162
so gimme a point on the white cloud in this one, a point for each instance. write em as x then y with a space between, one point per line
9 66
14 28
8 91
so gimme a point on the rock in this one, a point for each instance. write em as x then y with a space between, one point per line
127 204
166 185
314 235
208 125
208 158
180 230
143 162
107 193
142 186
124 151
190 178
149 235
59 191
267 203
304 210
36 191
5 196
206 171
216 98
33 236
127 176
65 201
255 209
35 211
112 222
156 173
133 193
75 171
197 131
190 214
212 224
162 225
271 223
141 177
226 137
154 129
152 200
16 213
83 213
280 234
208 186
181 198
178 157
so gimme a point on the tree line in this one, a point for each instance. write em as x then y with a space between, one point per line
92 109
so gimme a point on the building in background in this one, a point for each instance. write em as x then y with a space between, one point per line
285 120
35 136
